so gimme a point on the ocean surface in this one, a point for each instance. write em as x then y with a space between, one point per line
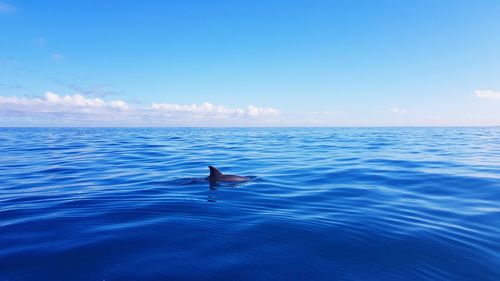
323 204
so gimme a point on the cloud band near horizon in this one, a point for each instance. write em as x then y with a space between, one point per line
75 108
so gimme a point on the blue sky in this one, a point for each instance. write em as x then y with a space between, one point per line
249 63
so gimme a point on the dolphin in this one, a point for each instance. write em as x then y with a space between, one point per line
217 176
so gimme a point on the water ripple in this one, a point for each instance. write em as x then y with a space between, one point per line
323 204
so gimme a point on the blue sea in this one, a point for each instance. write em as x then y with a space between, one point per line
322 204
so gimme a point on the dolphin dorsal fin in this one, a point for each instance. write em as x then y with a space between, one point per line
214 172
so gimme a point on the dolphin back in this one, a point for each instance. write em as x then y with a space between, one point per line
214 173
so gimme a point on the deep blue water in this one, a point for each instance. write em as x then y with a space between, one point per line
326 204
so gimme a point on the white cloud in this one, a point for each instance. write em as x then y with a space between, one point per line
256 111
52 102
119 104
57 56
487 94
76 100
214 110
202 109
398 110
6 8
77 108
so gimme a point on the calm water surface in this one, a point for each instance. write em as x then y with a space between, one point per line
326 204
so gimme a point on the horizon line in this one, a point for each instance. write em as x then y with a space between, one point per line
245 127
